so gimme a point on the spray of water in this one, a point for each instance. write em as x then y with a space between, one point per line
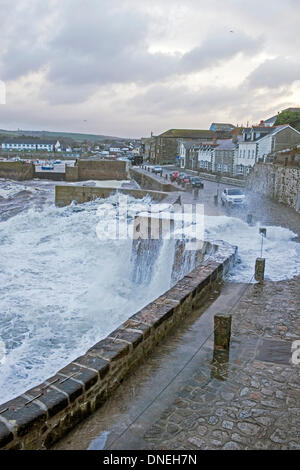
62 289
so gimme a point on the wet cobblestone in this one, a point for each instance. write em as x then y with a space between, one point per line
257 407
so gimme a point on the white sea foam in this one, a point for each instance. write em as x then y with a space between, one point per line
62 289
10 189
281 252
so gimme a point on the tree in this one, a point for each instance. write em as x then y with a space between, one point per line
287 117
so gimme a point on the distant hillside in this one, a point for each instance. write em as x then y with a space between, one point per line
71 136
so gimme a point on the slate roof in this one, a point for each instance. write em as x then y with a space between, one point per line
29 140
223 126
188 133
190 143
225 144
271 119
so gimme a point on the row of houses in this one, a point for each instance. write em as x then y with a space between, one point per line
31 144
236 156
223 148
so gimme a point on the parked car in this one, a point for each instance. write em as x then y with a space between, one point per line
234 197
197 182
137 160
157 170
180 177
186 179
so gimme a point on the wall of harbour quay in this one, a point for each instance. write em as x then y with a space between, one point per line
17 170
148 182
43 414
83 170
97 170
64 195
278 182
50 175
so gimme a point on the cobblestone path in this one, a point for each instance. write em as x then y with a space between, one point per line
251 401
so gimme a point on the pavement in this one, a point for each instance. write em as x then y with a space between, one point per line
188 396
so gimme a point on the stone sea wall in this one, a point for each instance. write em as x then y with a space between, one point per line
97 170
64 195
42 415
277 182
149 182
17 170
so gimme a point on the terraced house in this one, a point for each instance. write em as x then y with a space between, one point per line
167 143
217 156
31 144
259 142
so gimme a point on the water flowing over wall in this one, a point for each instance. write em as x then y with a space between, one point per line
149 256
64 195
39 417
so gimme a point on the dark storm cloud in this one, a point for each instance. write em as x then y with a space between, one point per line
218 47
275 73
239 101
92 44
166 99
22 38
128 60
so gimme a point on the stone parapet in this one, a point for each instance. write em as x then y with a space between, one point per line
65 195
42 415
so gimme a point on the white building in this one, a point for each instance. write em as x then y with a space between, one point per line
281 138
20 144
245 157
182 152
259 141
187 153
206 159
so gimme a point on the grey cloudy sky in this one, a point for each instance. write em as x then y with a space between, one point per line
129 67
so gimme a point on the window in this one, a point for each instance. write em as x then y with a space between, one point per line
240 154
225 168
244 153
234 192
253 153
248 153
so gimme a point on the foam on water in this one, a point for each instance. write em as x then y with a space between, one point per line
62 288
282 253
9 189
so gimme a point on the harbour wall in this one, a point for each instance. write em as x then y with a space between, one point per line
84 170
149 182
65 195
43 414
97 170
17 170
